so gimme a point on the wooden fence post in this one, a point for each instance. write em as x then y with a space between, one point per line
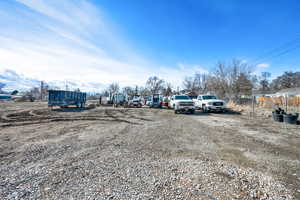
286 103
253 103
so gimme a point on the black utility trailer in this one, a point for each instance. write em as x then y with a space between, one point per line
64 98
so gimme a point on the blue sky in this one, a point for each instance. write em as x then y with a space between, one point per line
127 41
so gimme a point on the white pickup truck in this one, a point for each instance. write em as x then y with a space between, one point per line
182 103
209 103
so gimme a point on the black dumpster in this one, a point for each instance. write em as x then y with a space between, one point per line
290 118
278 115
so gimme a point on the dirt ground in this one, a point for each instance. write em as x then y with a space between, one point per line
143 153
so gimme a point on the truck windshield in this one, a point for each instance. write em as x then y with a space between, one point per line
193 97
209 97
182 98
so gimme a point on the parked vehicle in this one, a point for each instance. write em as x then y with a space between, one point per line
193 97
118 99
136 103
24 98
182 103
209 103
149 102
66 98
156 101
165 102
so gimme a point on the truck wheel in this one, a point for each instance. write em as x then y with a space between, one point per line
192 111
205 109
175 111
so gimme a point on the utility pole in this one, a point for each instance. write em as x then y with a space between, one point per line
136 90
42 90
286 103
253 106
67 88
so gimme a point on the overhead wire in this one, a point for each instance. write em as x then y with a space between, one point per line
279 51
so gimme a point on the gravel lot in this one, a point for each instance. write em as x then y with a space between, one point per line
117 153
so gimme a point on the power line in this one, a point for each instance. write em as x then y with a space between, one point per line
281 50
288 50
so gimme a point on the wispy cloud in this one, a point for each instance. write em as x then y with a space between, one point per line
61 40
263 65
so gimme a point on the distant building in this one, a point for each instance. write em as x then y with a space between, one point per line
5 97
257 93
290 92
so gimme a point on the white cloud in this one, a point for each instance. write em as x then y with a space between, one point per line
73 40
260 68
263 65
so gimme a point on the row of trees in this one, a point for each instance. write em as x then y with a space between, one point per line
287 80
236 79
230 81
153 85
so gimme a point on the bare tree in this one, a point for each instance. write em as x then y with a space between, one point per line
196 84
264 82
155 84
144 92
188 84
167 91
232 80
34 92
129 91
105 93
243 85
113 88
240 79
218 80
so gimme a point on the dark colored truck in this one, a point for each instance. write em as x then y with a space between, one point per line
64 98
156 101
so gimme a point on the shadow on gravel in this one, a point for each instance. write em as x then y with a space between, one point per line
200 113
71 109
297 123
228 112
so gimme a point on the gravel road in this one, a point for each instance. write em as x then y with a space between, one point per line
117 153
